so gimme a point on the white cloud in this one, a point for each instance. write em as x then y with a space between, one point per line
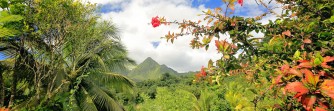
104 1
137 33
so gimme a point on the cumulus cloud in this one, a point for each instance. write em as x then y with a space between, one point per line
137 33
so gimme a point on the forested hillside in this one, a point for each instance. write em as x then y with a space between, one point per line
149 69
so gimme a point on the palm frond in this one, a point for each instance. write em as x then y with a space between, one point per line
85 100
117 81
8 63
101 99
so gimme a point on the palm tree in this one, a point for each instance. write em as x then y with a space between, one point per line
92 70
71 54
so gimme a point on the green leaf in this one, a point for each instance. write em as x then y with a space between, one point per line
5 32
318 56
210 63
10 18
317 61
206 47
253 91
330 20
4 4
297 54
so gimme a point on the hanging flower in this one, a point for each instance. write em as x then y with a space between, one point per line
155 21
240 2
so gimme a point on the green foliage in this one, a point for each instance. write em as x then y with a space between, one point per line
64 57
169 100
8 24
294 56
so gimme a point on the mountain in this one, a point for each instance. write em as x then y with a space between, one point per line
149 69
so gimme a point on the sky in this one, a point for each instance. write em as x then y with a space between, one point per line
133 18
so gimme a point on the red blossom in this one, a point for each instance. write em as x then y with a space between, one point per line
203 71
201 74
155 21
240 2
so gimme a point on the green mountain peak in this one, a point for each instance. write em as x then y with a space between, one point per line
149 69
150 61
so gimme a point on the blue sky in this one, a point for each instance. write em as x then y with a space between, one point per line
239 11
207 3
2 56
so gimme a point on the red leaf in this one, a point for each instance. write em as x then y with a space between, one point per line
278 79
305 64
323 105
320 109
285 67
327 87
322 73
4 109
287 33
307 41
310 77
296 87
308 102
303 61
223 45
295 72
218 45
324 65
302 47
327 59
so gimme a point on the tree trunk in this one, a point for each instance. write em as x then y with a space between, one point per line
17 70
13 89
2 89
13 86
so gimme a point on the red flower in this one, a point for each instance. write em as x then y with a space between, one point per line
155 21
203 71
240 2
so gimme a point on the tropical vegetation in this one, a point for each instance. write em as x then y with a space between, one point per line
59 59
289 68
59 55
